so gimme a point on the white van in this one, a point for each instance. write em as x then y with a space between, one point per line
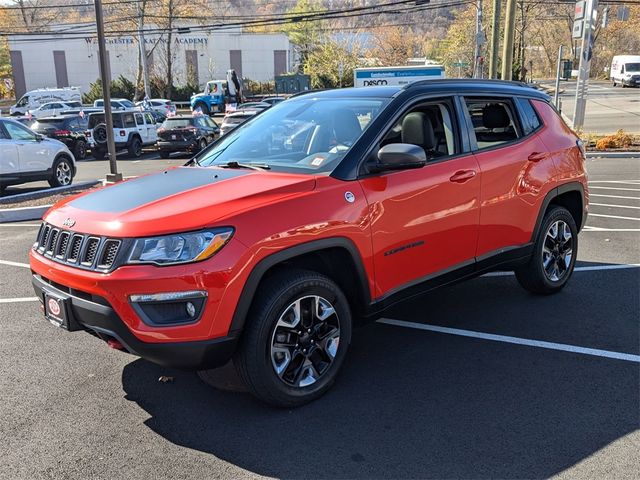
625 70
35 98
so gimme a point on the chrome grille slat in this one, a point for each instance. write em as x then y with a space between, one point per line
88 252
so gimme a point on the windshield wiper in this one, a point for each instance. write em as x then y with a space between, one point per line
252 166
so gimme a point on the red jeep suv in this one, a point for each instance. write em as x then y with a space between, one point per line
318 213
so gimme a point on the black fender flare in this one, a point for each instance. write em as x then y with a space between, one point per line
554 193
133 135
260 269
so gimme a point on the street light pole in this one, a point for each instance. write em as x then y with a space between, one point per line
557 93
105 78
143 52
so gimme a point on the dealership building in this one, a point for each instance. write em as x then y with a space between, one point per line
60 61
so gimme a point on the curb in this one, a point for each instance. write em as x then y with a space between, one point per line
47 192
596 154
24 213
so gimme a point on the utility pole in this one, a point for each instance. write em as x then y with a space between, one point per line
586 51
480 40
495 39
105 78
556 98
143 49
509 35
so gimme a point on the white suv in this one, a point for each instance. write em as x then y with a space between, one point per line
26 156
132 130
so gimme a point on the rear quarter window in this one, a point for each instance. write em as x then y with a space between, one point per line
530 120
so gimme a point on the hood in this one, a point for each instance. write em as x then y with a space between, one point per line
176 200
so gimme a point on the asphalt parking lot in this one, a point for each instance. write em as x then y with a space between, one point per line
480 380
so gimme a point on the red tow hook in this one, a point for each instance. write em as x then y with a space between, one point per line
115 344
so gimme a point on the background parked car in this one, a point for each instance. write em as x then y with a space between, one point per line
233 119
27 156
254 105
53 108
116 104
273 100
160 105
132 130
188 133
69 129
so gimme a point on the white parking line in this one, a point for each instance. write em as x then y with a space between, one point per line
600 229
19 225
615 188
623 266
613 216
14 264
613 196
19 299
613 206
515 340
624 182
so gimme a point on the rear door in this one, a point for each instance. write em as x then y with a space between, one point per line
152 128
424 221
514 173
141 127
9 160
33 155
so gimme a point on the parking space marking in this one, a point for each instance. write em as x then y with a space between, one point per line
19 299
622 266
613 216
14 264
614 206
613 196
615 188
515 340
602 229
19 225
623 182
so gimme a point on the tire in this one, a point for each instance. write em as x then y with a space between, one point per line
614 83
100 134
164 154
315 358
98 153
554 256
203 106
202 144
135 148
80 150
62 172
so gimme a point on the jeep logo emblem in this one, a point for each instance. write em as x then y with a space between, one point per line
69 222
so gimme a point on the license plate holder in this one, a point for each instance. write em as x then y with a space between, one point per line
57 311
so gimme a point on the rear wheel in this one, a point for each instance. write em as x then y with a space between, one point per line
62 172
554 255
164 154
202 144
296 338
135 148
80 150
203 107
98 153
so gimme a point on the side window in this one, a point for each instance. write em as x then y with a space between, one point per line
149 118
3 135
128 121
18 132
139 120
428 125
494 121
531 122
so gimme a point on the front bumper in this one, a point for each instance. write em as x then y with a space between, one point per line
96 315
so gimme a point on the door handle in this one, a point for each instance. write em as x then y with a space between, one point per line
536 156
462 176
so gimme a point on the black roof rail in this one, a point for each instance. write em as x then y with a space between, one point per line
472 81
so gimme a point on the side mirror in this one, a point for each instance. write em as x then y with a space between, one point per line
400 156
39 137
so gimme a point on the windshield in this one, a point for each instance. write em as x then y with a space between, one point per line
632 67
23 101
305 135
177 123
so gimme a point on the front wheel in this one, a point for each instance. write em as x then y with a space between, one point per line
554 255
62 173
135 148
296 338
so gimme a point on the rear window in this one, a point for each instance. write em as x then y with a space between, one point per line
97 118
47 123
177 123
494 121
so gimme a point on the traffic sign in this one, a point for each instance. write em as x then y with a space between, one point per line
579 11
578 26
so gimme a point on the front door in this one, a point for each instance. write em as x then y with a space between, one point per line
9 161
424 221
34 155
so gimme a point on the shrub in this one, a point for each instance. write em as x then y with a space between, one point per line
121 87
620 139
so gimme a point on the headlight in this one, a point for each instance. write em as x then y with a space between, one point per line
180 247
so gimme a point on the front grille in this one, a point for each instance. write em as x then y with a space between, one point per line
88 252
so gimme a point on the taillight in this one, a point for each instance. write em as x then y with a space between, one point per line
87 133
580 145
161 130
122 133
62 133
